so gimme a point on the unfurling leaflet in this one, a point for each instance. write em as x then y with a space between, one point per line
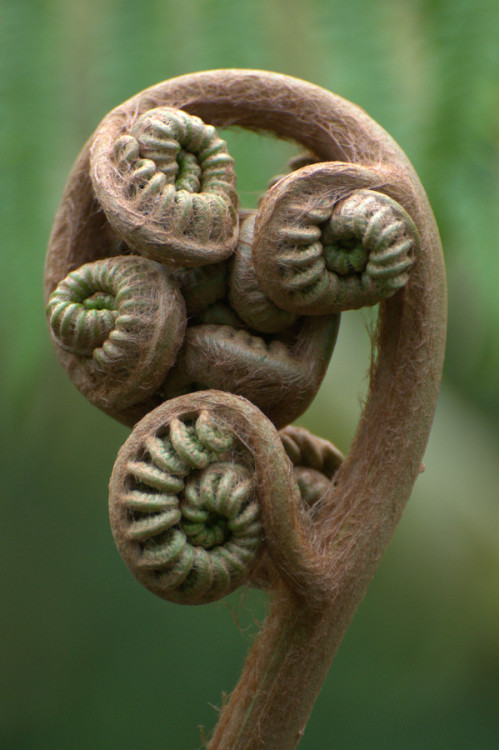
315 258
184 508
118 324
168 188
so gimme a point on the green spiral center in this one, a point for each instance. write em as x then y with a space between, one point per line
99 301
213 500
192 516
344 252
82 311
189 172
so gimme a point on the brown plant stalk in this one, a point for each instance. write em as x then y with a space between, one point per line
319 566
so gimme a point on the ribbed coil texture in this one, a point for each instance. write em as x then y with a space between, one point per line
192 515
358 254
177 167
99 310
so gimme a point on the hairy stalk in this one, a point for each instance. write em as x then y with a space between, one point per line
372 234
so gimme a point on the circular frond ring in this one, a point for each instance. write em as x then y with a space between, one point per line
327 241
167 187
117 325
191 491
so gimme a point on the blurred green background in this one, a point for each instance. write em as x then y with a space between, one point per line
89 658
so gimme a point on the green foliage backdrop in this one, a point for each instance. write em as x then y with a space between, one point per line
88 658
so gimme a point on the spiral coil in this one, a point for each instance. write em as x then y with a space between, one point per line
184 510
322 259
176 202
82 313
119 323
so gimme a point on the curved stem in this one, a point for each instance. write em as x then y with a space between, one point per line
270 707
282 677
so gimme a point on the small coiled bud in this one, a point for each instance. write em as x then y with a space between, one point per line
168 188
307 450
322 254
315 462
245 293
370 245
117 325
184 498
81 315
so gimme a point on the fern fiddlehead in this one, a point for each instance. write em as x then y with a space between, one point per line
351 226
168 188
184 506
117 324
317 252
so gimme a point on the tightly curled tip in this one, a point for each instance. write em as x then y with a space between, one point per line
118 324
370 245
81 311
314 259
184 507
315 462
168 188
